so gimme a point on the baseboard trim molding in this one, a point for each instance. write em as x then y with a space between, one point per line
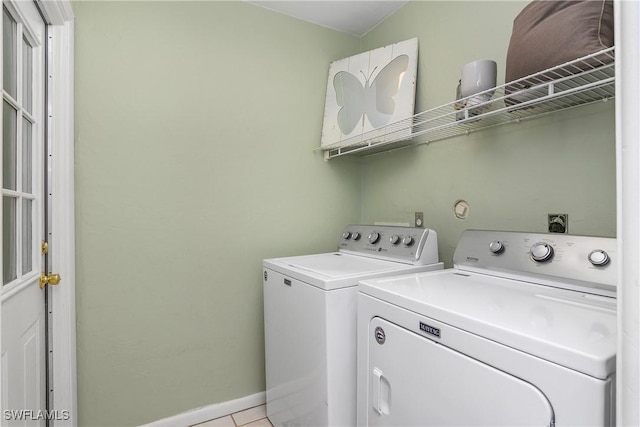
210 412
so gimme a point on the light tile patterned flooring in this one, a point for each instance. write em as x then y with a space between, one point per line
252 417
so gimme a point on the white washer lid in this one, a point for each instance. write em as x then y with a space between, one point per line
573 329
336 265
336 270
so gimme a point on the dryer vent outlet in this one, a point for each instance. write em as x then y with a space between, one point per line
558 223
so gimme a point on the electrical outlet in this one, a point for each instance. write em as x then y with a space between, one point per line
558 223
419 219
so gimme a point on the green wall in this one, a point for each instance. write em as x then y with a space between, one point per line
511 176
195 129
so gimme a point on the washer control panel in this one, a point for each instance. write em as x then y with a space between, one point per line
404 244
582 261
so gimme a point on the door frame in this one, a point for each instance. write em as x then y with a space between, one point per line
58 16
627 27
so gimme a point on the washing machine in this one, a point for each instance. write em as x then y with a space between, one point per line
520 332
310 319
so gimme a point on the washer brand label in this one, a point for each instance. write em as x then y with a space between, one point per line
472 259
430 330
380 336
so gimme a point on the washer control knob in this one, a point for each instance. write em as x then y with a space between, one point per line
599 258
374 237
496 247
395 239
407 241
355 236
541 252
346 235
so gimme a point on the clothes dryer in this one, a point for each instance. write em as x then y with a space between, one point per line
522 331
310 319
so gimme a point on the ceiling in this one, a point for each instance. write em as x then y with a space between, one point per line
355 17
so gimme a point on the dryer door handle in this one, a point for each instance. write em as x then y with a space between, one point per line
381 393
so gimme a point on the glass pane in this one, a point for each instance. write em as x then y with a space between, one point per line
27 75
9 146
27 156
9 54
27 235
9 231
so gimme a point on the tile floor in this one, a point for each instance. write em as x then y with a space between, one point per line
252 417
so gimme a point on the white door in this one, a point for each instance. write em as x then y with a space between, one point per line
414 381
23 347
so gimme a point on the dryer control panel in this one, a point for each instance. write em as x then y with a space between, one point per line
583 263
411 245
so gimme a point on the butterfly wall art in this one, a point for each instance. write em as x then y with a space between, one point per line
370 90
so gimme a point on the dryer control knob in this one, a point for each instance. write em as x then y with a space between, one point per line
496 247
355 236
374 237
541 252
395 239
599 258
407 241
346 235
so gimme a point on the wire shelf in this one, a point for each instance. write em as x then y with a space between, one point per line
580 82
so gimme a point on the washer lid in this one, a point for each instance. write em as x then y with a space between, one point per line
336 265
573 329
336 270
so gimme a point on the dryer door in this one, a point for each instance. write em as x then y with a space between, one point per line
414 381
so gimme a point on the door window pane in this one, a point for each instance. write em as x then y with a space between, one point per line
27 235
27 75
21 142
9 231
9 54
27 156
9 146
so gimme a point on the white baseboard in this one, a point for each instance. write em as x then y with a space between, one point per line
211 412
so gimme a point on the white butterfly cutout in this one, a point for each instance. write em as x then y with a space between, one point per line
373 100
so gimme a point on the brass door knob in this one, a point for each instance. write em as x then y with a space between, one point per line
51 279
